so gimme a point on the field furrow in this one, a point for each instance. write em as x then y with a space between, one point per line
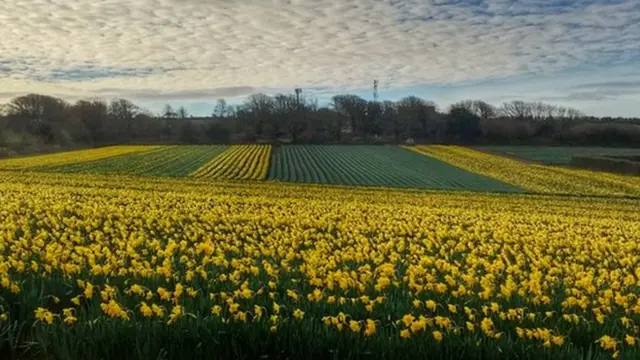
383 166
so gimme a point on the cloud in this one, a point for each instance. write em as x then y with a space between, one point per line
193 47
594 95
8 95
598 91
195 94
634 84
579 97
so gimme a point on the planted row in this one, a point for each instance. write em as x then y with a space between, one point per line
239 162
385 166
176 161
71 157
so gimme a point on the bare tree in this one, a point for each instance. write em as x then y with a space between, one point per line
285 109
390 121
550 111
260 106
40 115
222 110
39 108
169 113
420 115
122 113
574 114
479 108
290 113
311 104
372 126
182 113
516 109
352 106
561 112
539 110
462 124
94 115
484 110
468 105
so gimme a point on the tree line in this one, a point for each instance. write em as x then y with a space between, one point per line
34 122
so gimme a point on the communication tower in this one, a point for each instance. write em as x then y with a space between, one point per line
375 90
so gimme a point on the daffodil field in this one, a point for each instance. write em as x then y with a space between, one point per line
187 262
241 162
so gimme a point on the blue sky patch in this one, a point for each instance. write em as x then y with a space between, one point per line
84 73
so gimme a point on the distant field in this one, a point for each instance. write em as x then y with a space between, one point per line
172 161
373 166
557 155
415 167
535 177
71 157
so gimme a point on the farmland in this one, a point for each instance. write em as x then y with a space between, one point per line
251 251
175 161
178 268
71 157
534 177
373 166
558 155
240 162
414 167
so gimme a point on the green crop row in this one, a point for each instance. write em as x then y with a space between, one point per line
385 166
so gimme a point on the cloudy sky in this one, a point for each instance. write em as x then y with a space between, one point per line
581 53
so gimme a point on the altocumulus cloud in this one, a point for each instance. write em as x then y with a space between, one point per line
153 49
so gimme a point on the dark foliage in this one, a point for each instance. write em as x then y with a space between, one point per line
35 123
